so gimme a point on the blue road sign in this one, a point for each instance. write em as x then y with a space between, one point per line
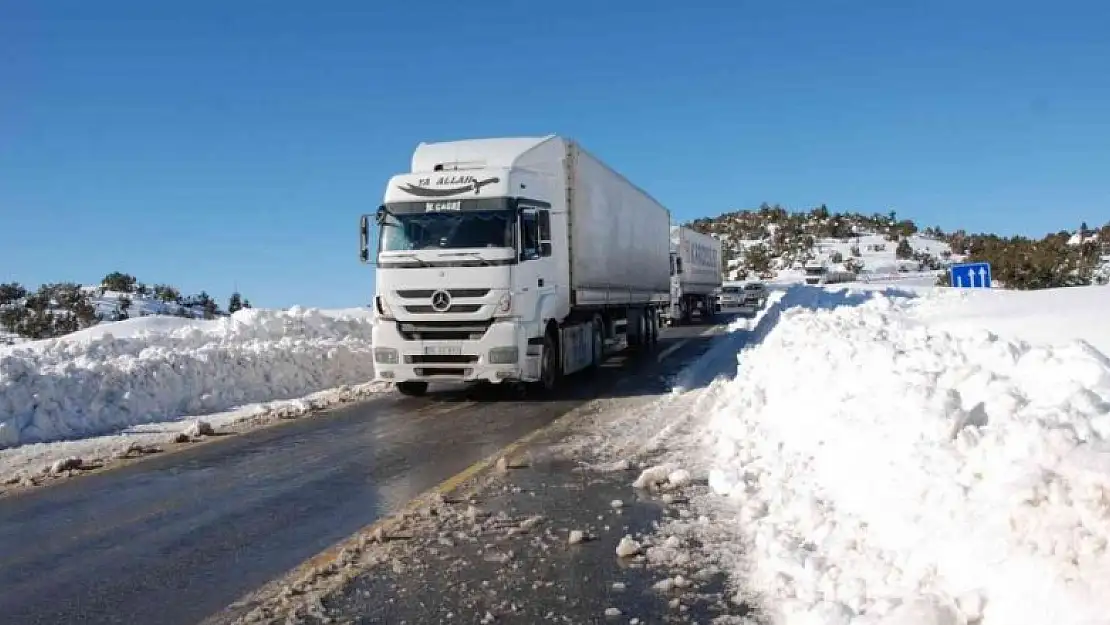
971 275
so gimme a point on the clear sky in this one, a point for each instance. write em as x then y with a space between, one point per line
213 144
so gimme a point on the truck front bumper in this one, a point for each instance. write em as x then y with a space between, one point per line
500 355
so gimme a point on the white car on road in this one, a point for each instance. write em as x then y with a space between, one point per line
748 295
754 295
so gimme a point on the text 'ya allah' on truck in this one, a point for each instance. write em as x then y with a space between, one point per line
512 260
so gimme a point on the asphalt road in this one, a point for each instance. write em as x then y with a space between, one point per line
175 539
458 569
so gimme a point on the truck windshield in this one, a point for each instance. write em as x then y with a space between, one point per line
461 230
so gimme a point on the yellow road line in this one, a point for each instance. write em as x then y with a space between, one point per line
448 485
670 350
679 345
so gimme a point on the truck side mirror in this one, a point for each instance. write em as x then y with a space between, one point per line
364 239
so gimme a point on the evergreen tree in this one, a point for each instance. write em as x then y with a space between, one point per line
904 250
117 281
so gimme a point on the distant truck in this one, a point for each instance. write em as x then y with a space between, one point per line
517 259
816 273
695 275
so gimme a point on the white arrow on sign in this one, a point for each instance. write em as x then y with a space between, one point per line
971 276
982 276
959 280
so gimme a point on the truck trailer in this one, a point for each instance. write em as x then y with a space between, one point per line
695 275
519 259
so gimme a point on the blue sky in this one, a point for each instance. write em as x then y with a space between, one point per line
219 144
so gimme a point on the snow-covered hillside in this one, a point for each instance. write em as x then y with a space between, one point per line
54 310
110 305
772 243
775 244
903 456
158 368
867 258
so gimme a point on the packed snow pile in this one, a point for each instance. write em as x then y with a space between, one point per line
116 375
882 467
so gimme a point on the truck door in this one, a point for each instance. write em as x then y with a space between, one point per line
536 271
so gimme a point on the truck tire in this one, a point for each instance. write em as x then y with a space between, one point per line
642 319
632 328
549 366
412 389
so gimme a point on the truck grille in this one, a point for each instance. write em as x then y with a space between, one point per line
443 330
424 359
423 309
455 372
427 293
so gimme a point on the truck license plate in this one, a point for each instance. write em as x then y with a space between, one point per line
442 350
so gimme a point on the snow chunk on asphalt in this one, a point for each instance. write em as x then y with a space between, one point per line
66 464
149 369
627 547
663 477
198 428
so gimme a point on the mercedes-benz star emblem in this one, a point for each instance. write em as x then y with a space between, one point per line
441 301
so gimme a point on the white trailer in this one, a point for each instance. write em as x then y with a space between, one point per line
512 260
695 275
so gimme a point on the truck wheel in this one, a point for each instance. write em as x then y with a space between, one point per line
412 389
653 329
631 328
549 366
643 322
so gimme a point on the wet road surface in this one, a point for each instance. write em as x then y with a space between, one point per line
176 538
504 556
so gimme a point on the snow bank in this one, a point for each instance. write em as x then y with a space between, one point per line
1077 313
880 468
149 369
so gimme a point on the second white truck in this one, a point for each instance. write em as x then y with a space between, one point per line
695 275
516 259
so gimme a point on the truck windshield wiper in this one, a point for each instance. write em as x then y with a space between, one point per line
475 255
412 257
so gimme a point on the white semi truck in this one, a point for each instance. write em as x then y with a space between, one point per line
511 260
695 275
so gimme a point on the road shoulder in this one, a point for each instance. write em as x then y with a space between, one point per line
498 547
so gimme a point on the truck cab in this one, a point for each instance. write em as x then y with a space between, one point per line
466 273
474 257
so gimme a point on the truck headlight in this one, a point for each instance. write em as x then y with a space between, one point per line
505 304
384 311
503 355
385 356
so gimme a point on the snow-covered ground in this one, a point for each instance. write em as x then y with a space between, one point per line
152 370
7 338
911 456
